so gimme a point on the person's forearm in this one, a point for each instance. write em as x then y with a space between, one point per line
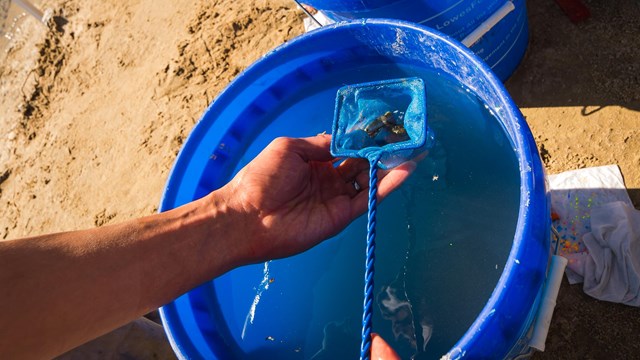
83 284
58 291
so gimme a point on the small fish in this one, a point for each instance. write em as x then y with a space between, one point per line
398 130
374 127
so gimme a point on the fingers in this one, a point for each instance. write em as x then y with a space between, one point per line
351 168
358 170
380 350
388 181
315 148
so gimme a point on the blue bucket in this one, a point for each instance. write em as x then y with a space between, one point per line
498 28
281 309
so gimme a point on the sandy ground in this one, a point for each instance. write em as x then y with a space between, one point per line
93 115
579 88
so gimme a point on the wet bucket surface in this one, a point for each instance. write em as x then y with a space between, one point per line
502 47
457 230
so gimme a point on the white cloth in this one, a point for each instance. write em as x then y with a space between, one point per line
309 24
573 196
612 269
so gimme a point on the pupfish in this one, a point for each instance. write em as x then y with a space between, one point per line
380 122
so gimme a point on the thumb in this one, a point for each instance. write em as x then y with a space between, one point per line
380 350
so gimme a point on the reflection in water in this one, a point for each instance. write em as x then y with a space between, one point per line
401 301
339 340
395 307
263 286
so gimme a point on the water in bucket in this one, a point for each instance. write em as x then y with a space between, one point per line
443 240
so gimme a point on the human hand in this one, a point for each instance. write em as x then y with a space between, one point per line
292 196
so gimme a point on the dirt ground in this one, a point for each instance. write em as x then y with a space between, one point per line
579 89
94 113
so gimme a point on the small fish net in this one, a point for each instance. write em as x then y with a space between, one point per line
387 118
386 123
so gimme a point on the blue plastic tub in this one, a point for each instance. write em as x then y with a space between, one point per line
485 172
502 47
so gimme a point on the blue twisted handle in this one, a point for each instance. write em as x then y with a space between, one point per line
367 313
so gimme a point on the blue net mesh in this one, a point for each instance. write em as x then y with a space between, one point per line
387 117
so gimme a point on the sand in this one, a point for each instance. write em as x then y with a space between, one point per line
95 111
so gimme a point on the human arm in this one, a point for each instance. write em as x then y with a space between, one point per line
61 290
